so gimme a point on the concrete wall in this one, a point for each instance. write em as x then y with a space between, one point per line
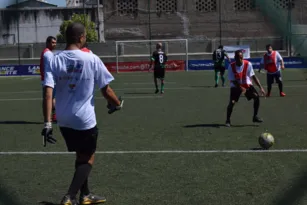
201 28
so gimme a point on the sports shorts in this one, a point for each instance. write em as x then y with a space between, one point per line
83 141
236 92
159 73
220 69
275 76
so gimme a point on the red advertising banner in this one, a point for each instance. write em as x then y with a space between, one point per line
172 65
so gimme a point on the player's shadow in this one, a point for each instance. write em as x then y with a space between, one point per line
48 203
19 122
201 86
294 192
139 93
216 125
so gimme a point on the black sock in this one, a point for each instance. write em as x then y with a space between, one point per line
269 88
84 188
280 86
81 174
256 106
229 111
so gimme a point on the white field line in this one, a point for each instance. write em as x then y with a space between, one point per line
151 88
163 152
97 98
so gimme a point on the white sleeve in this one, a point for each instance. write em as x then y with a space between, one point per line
250 70
102 76
278 56
48 76
231 76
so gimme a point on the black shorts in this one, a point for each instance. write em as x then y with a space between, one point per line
84 141
275 76
159 73
220 69
236 92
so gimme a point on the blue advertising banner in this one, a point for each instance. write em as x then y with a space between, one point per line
290 62
26 70
15 70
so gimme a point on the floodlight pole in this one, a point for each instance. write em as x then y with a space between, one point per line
149 27
220 20
18 36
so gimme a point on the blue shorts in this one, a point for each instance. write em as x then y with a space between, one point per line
53 93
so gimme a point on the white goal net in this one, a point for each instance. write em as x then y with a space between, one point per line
135 51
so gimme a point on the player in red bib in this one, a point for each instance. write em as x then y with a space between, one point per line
241 74
85 49
273 63
45 58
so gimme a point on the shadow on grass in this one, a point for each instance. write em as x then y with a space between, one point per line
295 192
215 125
8 199
139 93
47 203
20 123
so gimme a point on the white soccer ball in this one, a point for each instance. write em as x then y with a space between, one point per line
266 140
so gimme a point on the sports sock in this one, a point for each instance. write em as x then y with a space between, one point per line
84 188
229 110
216 77
156 83
280 86
269 88
256 106
223 79
80 177
162 85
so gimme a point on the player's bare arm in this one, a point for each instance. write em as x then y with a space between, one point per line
282 64
47 103
110 96
257 82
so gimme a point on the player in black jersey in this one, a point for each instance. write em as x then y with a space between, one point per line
159 58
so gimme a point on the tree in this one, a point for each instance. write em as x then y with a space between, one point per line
91 34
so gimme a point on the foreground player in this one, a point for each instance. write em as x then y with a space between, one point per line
218 58
76 74
46 56
240 74
272 62
159 58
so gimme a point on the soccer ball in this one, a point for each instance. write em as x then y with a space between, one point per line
266 140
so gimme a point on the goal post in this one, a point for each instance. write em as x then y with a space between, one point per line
141 50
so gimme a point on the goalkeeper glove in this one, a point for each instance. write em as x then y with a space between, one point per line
113 108
47 134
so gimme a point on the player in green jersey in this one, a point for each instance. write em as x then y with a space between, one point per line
218 58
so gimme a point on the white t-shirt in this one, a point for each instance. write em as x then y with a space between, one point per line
278 60
48 55
250 72
76 73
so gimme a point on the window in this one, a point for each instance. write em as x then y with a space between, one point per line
169 6
127 7
283 4
244 5
205 5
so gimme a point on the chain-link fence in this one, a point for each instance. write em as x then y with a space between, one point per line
205 23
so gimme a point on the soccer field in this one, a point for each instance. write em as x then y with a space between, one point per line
170 149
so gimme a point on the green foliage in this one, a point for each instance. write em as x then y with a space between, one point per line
91 34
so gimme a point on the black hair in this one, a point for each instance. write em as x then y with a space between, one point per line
73 32
268 46
221 47
49 39
237 52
